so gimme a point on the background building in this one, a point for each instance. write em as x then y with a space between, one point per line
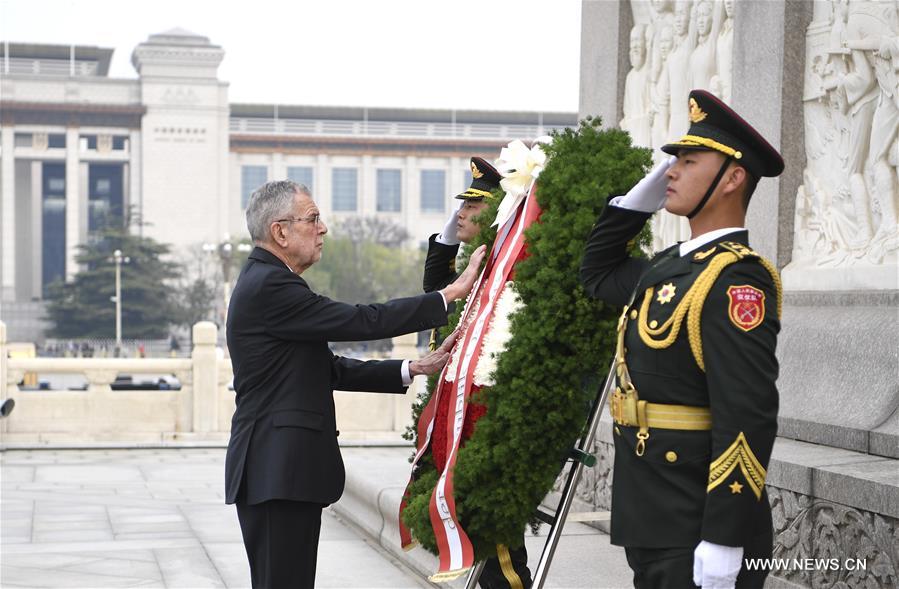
168 147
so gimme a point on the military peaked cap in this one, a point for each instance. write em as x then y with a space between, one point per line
715 126
484 179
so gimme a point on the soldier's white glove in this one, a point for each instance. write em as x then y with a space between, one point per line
716 566
648 195
449 235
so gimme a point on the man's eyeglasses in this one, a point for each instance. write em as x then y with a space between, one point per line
314 219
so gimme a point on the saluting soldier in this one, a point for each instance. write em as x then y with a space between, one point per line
443 247
695 407
508 570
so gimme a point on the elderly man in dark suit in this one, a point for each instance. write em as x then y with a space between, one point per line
283 463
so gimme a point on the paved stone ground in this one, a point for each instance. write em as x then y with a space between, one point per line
149 518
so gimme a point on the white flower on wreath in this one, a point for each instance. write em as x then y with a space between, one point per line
499 332
520 166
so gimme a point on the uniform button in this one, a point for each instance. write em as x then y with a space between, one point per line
633 314
617 431
671 456
653 324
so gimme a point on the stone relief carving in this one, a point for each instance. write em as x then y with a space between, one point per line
595 485
675 46
805 527
846 208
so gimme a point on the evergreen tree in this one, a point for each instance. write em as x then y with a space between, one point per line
85 308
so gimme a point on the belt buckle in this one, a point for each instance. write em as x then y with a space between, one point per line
623 407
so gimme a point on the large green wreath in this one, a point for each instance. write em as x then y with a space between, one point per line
561 343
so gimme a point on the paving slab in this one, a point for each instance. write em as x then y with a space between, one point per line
149 518
376 478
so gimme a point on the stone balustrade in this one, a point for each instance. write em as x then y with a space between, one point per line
200 411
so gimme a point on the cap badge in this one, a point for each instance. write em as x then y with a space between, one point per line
696 114
475 172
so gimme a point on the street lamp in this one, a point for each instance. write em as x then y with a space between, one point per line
225 250
118 258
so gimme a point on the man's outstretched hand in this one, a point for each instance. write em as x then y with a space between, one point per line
462 286
435 361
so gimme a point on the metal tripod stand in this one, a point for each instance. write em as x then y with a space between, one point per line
579 457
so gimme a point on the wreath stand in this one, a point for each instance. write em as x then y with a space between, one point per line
578 458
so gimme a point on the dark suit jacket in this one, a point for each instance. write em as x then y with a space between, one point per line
665 497
283 434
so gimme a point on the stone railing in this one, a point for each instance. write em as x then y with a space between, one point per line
399 129
199 412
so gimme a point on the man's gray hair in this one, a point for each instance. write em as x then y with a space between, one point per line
268 203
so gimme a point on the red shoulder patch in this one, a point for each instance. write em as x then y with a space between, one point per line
747 306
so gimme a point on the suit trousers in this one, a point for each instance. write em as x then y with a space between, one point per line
672 568
281 539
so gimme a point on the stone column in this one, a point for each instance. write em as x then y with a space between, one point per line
3 368
8 214
768 75
205 378
73 200
605 29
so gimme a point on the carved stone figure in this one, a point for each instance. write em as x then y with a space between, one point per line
660 94
703 58
636 119
677 67
722 82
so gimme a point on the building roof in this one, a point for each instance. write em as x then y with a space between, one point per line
42 51
359 113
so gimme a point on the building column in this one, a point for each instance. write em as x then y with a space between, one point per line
411 206
135 199
8 214
279 169
367 187
36 196
457 173
322 182
73 201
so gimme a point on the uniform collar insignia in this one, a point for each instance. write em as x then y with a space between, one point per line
700 256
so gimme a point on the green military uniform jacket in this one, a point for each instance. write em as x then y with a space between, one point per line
691 485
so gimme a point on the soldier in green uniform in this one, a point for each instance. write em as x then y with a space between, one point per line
695 407
509 569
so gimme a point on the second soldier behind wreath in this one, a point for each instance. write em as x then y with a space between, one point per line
695 407
509 569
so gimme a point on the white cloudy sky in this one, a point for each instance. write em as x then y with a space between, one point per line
481 54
